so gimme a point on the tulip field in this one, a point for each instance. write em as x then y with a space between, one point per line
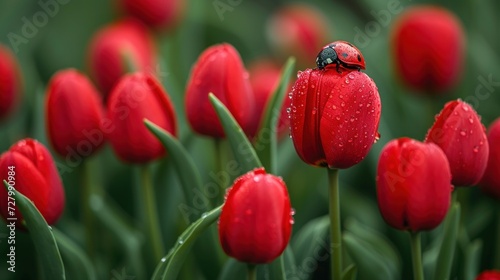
249 139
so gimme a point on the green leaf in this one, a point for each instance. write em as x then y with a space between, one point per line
241 146
370 264
112 218
311 243
41 234
379 244
473 259
74 257
233 269
350 272
446 254
267 142
169 266
185 168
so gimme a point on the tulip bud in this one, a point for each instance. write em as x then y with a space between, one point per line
29 167
116 45
256 220
489 275
264 79
490 183
413 184
334 116
458 131
137 97
73 114
156 13
10 86
298 30
428 46
219 70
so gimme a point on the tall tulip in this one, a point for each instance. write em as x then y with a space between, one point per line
334 116
218 70
458 131
490 183
10 84
137 97
29 167
489 275
74 114
256 220
115 45
428 46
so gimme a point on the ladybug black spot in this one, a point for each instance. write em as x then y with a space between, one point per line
359 58
344 55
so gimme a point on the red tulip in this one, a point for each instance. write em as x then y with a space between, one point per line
256 219
155 13
10 85
73 114
30 169
113 45
298 30
334 116
490 183
264 78
137 97
458 131
413 184
428 46
219 70
489 275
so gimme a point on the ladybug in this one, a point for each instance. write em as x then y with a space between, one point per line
341 53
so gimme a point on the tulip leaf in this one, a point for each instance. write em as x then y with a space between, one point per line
241 146
185 167
267 142
371 264
41 234
311 243
449 242
113 219
350 272
472 259
233 269
170 265
379 244
74 257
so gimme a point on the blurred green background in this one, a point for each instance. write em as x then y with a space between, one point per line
63 42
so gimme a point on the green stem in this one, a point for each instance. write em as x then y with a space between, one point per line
152 220
335 232
86 212
252 272
416 252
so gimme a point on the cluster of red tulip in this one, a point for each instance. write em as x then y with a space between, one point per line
333 112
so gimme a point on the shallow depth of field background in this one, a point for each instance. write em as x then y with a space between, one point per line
63 42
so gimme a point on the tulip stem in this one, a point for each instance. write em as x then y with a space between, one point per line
335 232
252 271
87 191
416 252
151 214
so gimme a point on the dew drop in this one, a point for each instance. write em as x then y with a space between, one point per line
163 259
476 149
299 73
288 110
313 86
314 111
463 133
342 104
292 211
466 109
334 107
50 227
471 121
337 118
341 145
377 137
204 215
346 81
180 241
292 221
341 96
357 112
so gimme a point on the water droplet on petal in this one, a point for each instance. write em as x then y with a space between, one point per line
346 81
466 109
476 149
292 211
463 133
292 221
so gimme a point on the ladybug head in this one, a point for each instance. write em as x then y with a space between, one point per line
326 56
